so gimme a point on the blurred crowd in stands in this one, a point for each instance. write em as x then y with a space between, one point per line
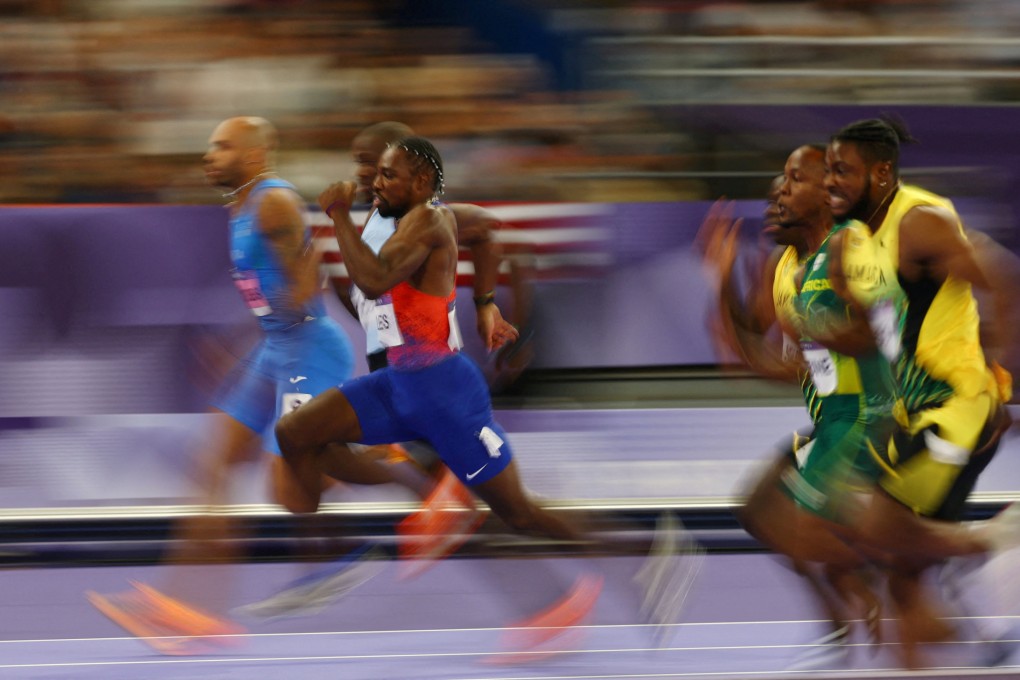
113 100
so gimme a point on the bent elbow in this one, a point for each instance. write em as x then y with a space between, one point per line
480 232
372 285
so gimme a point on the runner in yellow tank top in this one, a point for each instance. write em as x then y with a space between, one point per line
767 517
947 387
910 265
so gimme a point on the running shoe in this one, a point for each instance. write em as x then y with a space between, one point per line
668 574
314 592
167 625
189 619
446 520
128 611
553 630
397 454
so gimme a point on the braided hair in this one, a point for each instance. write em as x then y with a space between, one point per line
424 157
878 139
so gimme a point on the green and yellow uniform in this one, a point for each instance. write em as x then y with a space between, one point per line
951 395
851 400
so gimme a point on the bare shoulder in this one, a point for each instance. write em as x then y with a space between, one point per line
432 221
466 213
927 231
924 218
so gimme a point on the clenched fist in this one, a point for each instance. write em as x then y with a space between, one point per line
337 197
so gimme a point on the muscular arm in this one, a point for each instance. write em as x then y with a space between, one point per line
742 324
933 246
342 289
718 240
756 312
281 220
421 231
746 325
475 227
1002 267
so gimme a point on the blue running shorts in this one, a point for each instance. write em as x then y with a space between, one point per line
447 404
286 369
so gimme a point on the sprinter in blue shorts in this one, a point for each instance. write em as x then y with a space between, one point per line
430 390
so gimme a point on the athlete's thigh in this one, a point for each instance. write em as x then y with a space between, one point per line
319 361
824 471
326 359
248 393
371 400
474 451
449 406
326 418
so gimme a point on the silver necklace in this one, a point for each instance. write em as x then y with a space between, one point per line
235 192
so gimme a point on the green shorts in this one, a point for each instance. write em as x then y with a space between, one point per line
846 454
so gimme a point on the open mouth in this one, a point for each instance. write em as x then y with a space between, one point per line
837 202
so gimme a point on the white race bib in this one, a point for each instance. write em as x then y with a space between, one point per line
290 401
885 325
386 322
454 341
248 284
822 367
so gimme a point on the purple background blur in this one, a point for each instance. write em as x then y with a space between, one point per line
119 320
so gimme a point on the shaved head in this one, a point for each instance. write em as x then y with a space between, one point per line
251 132
240 148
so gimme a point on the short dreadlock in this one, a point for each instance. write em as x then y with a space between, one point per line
425 157
878 139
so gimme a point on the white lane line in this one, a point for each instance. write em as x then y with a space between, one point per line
494 629
815 675
857 673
